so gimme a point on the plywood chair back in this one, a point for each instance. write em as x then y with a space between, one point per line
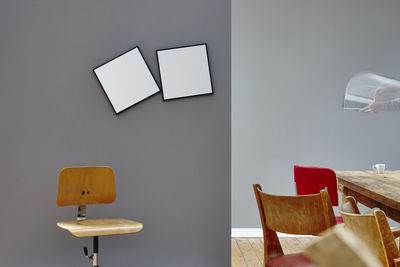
302 215
86 185
374 230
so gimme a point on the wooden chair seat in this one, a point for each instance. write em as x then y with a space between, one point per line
101 227
339 219
291 260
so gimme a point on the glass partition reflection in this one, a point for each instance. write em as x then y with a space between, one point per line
372 93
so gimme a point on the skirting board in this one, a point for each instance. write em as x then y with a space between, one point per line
257 232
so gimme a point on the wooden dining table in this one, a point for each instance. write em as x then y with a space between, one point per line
373 190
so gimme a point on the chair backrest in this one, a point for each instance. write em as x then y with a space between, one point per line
86 185
310 180
373 229
302 215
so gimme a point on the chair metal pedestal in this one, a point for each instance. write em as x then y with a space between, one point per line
95 256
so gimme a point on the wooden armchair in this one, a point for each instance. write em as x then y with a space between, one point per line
301 215
373 229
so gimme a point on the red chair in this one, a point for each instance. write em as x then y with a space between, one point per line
310 180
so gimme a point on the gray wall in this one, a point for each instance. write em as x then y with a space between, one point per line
171 159
291 61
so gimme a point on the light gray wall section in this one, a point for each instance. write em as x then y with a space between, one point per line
291 61
171 159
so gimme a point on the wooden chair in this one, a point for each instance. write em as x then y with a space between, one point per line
301 215
373 228
82 186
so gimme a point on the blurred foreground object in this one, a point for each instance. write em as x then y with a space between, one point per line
338 246
373 229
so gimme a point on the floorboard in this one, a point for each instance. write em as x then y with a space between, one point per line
249 252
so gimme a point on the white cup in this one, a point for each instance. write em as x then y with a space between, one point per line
379 168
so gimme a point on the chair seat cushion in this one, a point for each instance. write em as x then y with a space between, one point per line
295 260
339 219
100 227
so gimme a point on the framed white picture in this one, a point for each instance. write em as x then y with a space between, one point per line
126 80
184 71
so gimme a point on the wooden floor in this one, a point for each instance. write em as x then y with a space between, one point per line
249 251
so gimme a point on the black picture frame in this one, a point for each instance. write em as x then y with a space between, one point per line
208 65
119 55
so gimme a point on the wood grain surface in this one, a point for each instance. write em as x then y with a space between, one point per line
101 227
298 215
248 252
86 185
373 190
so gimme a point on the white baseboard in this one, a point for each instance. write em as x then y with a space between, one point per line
257 232
247 232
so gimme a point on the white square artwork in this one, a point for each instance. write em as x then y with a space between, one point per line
126 80
184 71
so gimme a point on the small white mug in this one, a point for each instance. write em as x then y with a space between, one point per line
379 168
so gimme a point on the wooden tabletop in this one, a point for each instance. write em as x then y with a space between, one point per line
372 189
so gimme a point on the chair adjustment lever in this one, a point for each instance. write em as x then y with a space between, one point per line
95 256
85 251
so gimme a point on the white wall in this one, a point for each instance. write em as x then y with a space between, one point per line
291 61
